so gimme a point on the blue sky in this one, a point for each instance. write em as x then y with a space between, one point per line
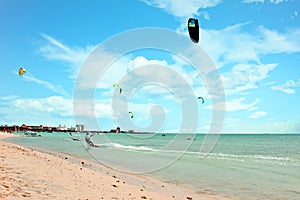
254 44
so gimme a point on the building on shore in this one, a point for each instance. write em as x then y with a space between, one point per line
34 128
62 128
117 130
72 129
80 127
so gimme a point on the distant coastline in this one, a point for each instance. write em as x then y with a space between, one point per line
81 129
60 128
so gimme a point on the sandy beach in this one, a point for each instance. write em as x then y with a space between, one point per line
30 174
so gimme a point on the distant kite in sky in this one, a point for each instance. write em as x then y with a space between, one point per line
201 99
131 114
193 28
22 71
117 85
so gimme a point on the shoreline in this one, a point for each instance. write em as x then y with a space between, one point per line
45 174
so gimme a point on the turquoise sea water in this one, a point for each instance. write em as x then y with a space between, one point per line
240 166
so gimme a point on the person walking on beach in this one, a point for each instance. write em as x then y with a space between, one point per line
88 139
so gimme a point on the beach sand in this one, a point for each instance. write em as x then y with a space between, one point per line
30 174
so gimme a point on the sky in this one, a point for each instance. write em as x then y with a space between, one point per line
254 45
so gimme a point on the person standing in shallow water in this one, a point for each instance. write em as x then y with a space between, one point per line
88 139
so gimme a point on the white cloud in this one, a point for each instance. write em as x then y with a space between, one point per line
228 45
287 87
54 104
74 56
258 114
239 104
51 110
181 8
124 70
96 109
295 14
236 104
253 1
243 77
170 80
140 61
10 97
205 15
277 1
99 72
234 45
119 69
275 42
263 1
56 89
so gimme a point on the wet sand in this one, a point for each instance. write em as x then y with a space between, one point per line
31 174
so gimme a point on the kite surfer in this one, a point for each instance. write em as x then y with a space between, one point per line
88 140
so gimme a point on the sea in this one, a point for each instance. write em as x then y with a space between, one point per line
234 166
